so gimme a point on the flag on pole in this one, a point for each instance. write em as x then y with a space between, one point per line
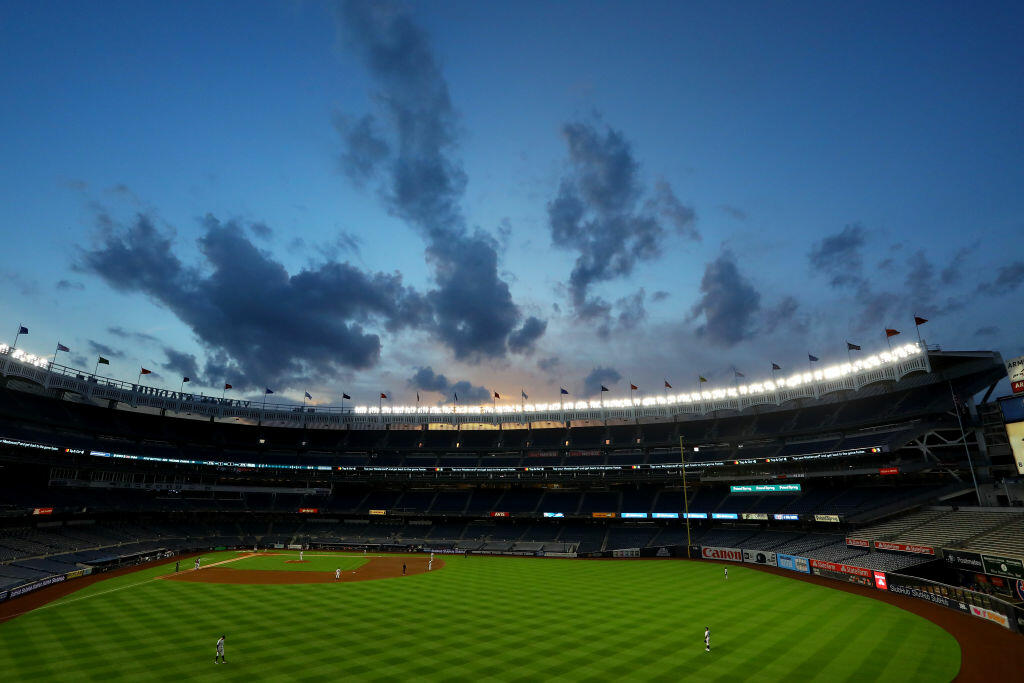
102 361
267 390
604 388
563 391
308 396
775 366
226 387
61 347
812 359
738 373
852 347
918 320
454 393
346 397
417 397
889 332
702 378
22 329
667 385
523 392
383 395
185 379
633 387
496 395
144 371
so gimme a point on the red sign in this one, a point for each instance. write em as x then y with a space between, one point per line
858 542
904 548
889 470
731 554
309 511
42 511
500 514
841 568
1017 387
880 581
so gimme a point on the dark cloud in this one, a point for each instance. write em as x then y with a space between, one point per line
597 377
839 256
425 379
729 303
783 316
79 361
119 331
104 350
67 285
549 364
524 339
954 271
660 295
1008 279
409 149
270 326
261 230
599 212
732 211
180 363
986 331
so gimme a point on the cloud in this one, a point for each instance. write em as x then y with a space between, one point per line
104 350
783 316
425 379
184 364
728 303
410 151
597 377
119 331
1008 279
660 295
954 271
261 230
67 285
733 212
839 256
269 325
986 331
549 364
524 339
599 212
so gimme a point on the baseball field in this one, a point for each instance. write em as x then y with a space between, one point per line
468 619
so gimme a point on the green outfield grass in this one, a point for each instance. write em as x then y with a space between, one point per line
480 618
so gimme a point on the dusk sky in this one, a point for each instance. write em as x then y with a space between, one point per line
478 197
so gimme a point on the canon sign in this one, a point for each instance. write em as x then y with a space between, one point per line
731 554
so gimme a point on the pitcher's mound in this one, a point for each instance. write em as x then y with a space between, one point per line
376 568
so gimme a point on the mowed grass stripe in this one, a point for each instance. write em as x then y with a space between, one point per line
480 619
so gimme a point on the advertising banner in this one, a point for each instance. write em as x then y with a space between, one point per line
695 515
42 511
712 553
665 515
880 581
889 470
1015 434
554 514
309 511
905 548
827 518
764 488
633 515
785 516
922 591
962 559
724 515
602 515
378 512
759 557
1003 566
756 515
858 542
793 563
499 514
1015 370
841 568
1000 619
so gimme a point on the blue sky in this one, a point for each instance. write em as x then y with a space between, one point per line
398 197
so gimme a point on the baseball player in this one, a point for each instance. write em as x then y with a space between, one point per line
337 573
197 563
430 564
218 658
403 569
300 556
707 639
727 573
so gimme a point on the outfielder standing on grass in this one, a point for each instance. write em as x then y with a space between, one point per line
726 572
707 639
219 656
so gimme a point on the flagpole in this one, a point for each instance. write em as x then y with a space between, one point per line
888 341
15 344
96 368
917 326
54 361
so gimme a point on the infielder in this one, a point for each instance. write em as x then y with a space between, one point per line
430 563
707 639
300 556
337 573
219 656
197 563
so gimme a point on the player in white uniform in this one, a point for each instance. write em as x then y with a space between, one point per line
707 639
430 564
219 656
727 572
300 556
197 563
337 573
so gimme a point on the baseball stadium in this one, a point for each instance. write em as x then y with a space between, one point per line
861 521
